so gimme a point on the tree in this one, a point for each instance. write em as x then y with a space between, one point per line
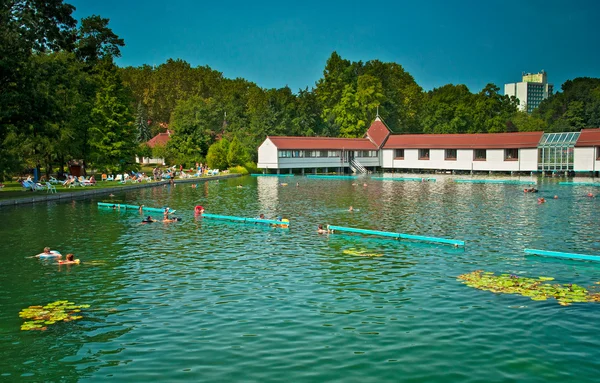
112 133
95 40
236 155
217 155
141 122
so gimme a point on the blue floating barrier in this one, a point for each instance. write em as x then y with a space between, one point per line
331 177
418 179
580 183
271 175
558 254
397 235
245 220
507 182
132 207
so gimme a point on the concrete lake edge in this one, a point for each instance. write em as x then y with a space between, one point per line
36 198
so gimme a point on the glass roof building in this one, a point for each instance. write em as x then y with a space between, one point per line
556 151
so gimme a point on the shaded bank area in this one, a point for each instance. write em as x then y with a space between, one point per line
35 197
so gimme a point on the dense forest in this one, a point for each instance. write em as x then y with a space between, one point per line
62 98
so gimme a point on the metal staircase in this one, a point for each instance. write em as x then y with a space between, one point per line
357 166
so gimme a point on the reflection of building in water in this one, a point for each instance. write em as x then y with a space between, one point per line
268 194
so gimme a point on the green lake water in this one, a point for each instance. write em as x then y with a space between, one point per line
214 301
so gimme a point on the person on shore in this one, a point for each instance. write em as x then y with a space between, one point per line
70 259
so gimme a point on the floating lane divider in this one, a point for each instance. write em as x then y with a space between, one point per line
580 183
132 207
271 175
246 220
558 254
508 182
331 177
418 179
396 235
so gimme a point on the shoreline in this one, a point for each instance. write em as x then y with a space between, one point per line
36 198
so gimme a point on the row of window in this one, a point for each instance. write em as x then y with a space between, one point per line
450 154
323 153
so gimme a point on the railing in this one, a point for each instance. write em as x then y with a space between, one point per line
357 166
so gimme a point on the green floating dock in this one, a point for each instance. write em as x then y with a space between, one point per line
418 179
331 177
396 235
507 182
271 175
558 254
580 183
244 220
132 207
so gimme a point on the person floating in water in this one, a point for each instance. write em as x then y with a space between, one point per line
70 260
350 208
321 230
49 253
541 200
530 190
141 208
198 210
148 219
174 219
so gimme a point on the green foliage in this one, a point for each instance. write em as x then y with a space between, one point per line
112 132
141 122
238 170
236 155
40 317
536 289
217 155
251 167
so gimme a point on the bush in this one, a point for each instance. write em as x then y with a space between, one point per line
238 170
251 167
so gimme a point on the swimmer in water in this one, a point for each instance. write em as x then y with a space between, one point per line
70 260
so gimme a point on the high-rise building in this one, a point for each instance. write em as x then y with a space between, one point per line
530 91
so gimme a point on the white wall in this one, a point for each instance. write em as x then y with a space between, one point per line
267 155
584 159
464 160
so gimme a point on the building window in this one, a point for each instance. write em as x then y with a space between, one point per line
323 153
373 153
309 153
598 153
333 153
480 155
285 153
423 154
297 153
511 154
450 154
399 154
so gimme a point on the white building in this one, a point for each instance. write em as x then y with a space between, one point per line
530 91
484 152
500 152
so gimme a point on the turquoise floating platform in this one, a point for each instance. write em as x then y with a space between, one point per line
507 182
558 254
580 183
397 235
271 175
132 207
245 220
418 179
331 177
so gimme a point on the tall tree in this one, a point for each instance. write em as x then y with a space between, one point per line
112 133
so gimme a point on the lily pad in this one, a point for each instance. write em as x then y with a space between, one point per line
535 289
39 317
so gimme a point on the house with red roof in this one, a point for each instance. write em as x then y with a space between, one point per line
160 139
483 152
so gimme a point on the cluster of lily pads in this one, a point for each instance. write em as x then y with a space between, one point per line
40 317
536 288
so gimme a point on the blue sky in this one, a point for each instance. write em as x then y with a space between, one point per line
275 44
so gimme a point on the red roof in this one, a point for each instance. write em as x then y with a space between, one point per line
465 141
589 137
378 132
159 139
321 143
